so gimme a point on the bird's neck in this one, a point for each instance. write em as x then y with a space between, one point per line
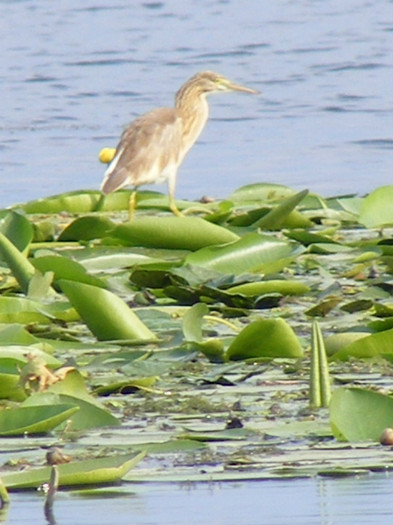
194 111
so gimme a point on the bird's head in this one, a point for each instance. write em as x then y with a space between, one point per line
207 82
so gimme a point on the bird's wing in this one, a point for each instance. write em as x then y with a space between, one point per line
147 148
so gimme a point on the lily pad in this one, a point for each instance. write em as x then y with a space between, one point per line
37 419
251 253
360 415
86 472
265 338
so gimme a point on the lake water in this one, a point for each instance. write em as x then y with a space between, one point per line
73 74
347 501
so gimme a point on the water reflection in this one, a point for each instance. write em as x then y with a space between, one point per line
346 501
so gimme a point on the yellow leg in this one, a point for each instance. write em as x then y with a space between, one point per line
132 205
172 206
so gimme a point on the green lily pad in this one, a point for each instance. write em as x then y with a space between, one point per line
265 338
360 415
251 253
37 419
377 209
87 228
86 472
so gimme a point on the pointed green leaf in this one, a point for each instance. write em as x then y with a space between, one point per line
18 230
319 373
107 316
275 218
21 268
192 322
265 338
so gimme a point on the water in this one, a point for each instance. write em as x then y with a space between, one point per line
349 501
73 74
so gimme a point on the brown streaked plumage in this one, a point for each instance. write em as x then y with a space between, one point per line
152 147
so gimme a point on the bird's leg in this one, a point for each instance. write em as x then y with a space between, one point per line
171 191
172 206
132 205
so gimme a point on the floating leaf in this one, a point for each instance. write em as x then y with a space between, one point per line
192 322
87 228
374 345
21 310
276 216
73 392
34 420
265 338
107 316
186 233
18 230
78 202
283 287
251 253
377 209
66 268
260 193
360 415
87 472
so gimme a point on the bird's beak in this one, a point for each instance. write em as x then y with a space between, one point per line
237 87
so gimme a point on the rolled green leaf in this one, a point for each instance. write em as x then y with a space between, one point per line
281 286
186 233
319 375
19 265
105 314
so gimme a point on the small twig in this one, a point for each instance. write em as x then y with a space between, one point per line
54 457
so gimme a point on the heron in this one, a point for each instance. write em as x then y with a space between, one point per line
153 146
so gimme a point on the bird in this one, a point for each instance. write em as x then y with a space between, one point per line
154 145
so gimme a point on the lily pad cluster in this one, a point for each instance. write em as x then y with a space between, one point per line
199 328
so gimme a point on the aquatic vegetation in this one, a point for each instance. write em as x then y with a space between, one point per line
228 326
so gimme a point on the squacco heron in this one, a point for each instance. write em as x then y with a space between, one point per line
153 146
